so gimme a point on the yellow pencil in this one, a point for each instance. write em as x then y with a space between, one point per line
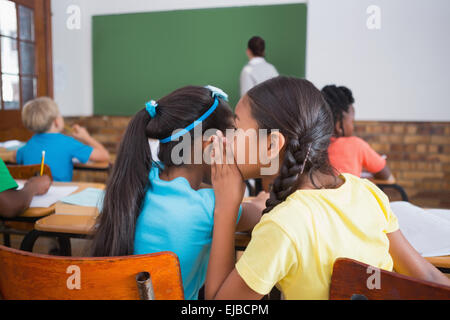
42 163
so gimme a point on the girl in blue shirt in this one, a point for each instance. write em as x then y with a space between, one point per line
157 201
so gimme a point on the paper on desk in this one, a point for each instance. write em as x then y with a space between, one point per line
443 213
54 194
89 197
12 145
428 231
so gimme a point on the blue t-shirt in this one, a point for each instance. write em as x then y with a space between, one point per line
179 219
59 152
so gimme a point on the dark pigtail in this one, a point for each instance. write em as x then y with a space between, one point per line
125 191
297 109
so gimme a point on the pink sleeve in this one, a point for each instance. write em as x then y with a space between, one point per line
371 160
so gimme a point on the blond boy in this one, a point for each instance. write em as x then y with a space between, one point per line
42 117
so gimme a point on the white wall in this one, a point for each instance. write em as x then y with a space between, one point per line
401 72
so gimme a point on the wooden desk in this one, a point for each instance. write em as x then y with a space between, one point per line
71 224
442 263
25 222
8 157
69 221
79 222
42 212
92 166
378 181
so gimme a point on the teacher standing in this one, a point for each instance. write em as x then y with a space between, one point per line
257 69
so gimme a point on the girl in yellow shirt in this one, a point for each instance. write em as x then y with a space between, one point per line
313 216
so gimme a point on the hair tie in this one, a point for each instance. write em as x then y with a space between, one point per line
306 158
217 93
151 108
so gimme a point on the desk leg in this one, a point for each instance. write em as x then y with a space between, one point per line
65 248
7 240
402 192
444 270
396 187
29 240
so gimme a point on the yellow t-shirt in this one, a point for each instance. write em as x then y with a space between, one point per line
295 245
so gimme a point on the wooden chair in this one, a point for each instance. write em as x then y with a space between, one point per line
349 281
28 276
20 172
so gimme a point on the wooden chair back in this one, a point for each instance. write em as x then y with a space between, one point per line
29 276
355 280
20 172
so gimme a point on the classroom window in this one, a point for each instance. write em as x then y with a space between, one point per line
18 76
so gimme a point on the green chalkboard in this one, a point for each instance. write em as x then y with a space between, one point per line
143 56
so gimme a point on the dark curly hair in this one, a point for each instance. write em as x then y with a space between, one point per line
339 99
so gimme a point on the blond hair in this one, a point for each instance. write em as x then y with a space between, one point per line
39 114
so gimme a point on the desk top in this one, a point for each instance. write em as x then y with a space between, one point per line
8 156
59 223
440 262
71 218
377 181
81 220
98 166
42 212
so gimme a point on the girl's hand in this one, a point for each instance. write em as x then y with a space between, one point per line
226 178
261 199
39 185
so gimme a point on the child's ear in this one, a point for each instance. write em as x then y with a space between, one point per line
338 129
59 123
275 144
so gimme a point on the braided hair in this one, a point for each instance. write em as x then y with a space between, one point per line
298 110
339 99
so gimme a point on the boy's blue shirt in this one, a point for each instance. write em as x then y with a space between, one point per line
59 152
179 219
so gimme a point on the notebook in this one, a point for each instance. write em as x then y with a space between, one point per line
428 230
54 194
89 197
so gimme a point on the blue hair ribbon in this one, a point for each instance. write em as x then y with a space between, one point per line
216 94
151 108
192 125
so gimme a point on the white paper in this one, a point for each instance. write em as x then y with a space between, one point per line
54 194
428 231
12 144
